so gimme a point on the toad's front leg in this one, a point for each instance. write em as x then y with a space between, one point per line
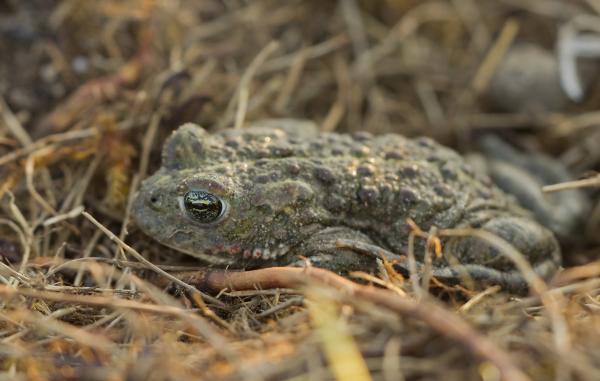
323 250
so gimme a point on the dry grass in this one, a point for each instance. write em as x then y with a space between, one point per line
89 92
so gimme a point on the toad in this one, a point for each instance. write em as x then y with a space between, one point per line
282 190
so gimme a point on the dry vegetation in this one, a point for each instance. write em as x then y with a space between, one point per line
90 90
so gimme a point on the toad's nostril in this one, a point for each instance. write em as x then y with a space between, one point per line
154 201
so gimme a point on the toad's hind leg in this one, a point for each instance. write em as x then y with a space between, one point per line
467 274
344 250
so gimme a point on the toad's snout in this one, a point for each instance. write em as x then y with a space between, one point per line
150 211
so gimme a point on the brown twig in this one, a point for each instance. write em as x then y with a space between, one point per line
593 181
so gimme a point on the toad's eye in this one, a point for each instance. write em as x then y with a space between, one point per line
203 207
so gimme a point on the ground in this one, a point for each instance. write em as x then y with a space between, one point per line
89 92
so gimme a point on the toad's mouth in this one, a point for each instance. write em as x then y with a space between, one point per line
231 254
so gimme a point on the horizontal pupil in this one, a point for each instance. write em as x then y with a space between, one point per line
202 204
205 208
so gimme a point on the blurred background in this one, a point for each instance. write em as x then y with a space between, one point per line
441 68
